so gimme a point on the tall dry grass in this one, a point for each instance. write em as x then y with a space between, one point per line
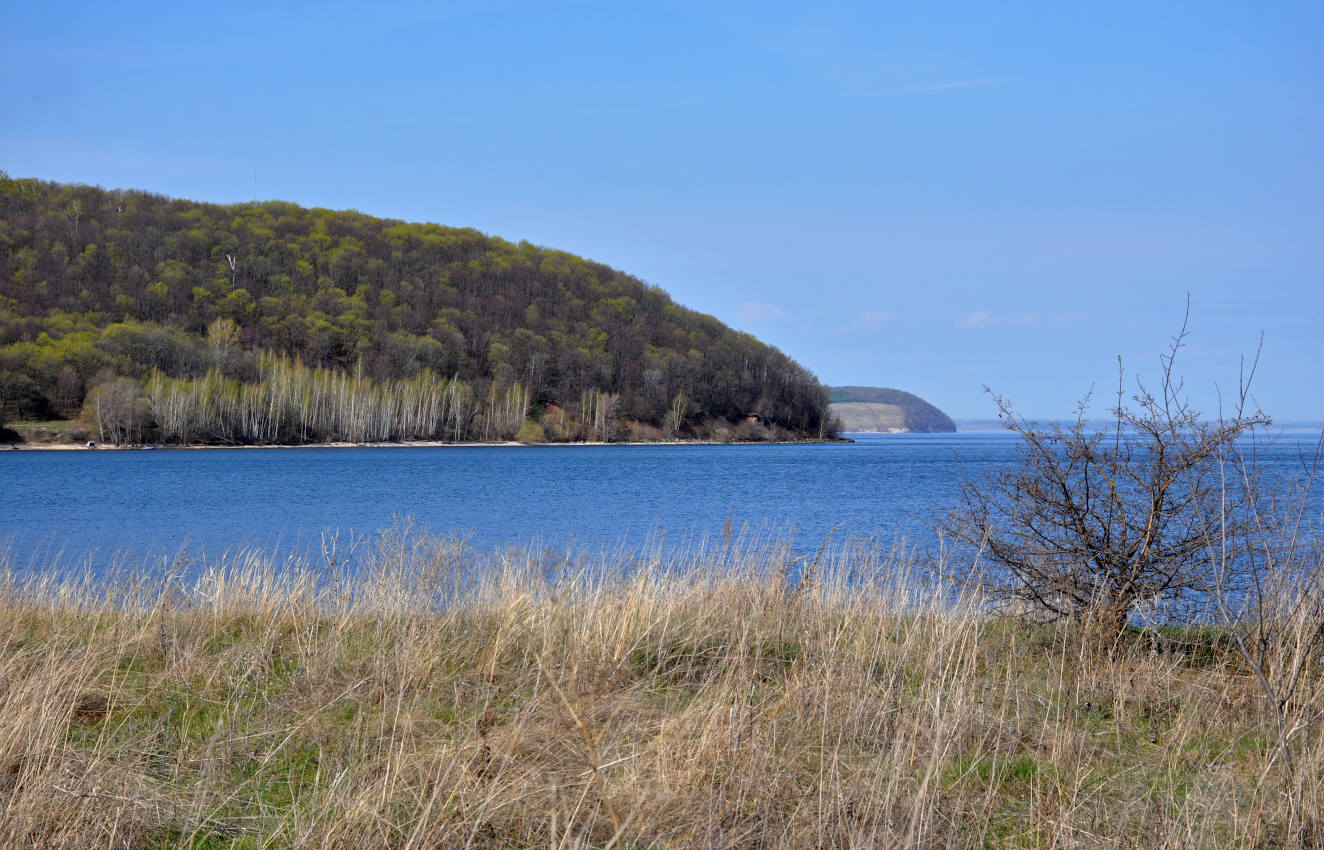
668 698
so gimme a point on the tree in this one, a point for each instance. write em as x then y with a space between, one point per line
119 411
676 415
337 289
1268 592
1094 524
222 339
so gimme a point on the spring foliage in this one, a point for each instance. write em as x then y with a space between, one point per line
97 284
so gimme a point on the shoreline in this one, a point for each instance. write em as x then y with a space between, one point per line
423 444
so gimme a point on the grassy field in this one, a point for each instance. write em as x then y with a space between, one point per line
439 699
51 431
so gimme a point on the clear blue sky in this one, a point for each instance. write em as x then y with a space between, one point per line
930 196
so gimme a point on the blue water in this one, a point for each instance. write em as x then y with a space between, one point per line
97 506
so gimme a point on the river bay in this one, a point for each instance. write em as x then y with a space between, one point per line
97 507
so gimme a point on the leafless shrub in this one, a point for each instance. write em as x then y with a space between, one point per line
1093 524
1268 593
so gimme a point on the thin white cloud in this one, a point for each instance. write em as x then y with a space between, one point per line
869 320
723 101
957 84
88 153
757 311
954 84
985 319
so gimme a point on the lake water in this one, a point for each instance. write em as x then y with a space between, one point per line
79 506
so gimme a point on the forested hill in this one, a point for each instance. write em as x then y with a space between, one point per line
885 409
213 310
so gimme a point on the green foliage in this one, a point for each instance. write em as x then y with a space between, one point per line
531 432
143 278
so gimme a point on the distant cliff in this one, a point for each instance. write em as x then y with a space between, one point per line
880 409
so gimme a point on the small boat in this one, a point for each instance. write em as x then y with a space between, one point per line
148 448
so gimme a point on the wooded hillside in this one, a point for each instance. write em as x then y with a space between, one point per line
225 307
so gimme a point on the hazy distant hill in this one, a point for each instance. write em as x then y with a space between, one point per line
99 285
880 409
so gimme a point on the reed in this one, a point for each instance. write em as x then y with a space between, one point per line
721 694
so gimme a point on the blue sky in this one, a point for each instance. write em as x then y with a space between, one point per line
935 197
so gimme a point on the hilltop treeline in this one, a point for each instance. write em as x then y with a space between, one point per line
100 286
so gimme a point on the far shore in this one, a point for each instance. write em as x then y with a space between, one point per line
427 444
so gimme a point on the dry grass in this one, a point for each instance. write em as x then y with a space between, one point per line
688 700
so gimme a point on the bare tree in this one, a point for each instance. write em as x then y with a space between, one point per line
119 411
675 418
1268 592
222 339
1093 524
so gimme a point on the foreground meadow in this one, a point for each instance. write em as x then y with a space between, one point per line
434 698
